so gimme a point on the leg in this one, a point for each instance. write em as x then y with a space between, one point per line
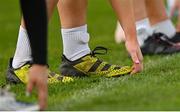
19 66
50 8
119 34
139 9
74 28
142 23
160 22
23 51
77 59
156 11
143 26
72 14
148 35
159 19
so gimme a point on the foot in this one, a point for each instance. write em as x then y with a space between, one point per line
176 38
159 43
19 75
90 65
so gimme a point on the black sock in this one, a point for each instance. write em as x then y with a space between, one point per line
35 16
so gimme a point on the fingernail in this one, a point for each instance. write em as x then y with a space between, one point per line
137 62
27 94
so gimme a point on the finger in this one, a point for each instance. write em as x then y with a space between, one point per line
133 72
135 57
136 69
29 88
140 56
42 95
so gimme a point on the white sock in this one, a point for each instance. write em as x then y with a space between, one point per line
75 42
143 29
166 27
23 49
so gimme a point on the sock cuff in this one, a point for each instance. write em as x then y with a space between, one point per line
144 24
78 34
143 21
166 27
23 29
165 22
80 37
82 28
144 30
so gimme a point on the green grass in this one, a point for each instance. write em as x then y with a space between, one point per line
156 88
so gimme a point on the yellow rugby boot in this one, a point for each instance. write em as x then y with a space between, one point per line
90 65
15 76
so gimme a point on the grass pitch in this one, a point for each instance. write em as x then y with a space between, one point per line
157 88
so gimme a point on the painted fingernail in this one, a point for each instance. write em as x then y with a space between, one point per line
137 62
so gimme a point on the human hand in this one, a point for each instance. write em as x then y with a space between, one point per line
136 56
38 79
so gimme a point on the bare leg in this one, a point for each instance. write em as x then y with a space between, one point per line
119 34
156 11
140 9
72 14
